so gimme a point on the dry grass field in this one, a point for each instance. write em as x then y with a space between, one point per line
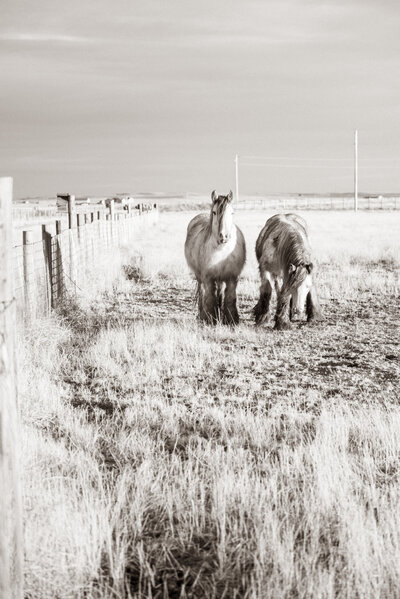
167 459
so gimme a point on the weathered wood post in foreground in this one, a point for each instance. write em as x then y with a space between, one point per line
29 276
11 550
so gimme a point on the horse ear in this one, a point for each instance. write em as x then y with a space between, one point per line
214 196
292 268
230 196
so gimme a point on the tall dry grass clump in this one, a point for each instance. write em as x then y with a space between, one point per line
168 459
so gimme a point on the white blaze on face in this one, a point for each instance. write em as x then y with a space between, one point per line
222 224
225 225
300 294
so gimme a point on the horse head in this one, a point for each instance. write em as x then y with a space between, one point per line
221 216
300 282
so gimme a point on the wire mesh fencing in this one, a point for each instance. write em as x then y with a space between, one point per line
58 265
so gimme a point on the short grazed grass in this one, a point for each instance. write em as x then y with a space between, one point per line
164 458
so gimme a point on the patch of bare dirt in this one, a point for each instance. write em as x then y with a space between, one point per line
354 353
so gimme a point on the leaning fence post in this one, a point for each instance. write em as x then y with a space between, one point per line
29 275
11 543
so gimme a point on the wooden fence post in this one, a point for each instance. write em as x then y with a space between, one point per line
112 209
112 217
29 276
108 227
58 266
80 222
71 212
48 262
72 244
11 543
82 244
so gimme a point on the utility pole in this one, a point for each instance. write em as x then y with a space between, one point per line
237 176
355 170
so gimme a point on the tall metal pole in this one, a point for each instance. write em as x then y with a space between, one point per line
237 176
355 170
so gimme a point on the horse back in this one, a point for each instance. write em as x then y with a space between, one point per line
282 241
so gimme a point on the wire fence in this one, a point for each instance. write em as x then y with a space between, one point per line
28 212
47 270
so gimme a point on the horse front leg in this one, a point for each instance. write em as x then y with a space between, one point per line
210 304
261 309
230 312
313 308
282 310
219 290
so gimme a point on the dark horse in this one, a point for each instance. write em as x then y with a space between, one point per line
286 263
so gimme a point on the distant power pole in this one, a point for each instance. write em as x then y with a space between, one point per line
237 176
355 170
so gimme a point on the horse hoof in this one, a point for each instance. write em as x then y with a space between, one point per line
260 319
283 325
232 322
315 319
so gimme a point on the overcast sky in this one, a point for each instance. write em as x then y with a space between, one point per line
106 96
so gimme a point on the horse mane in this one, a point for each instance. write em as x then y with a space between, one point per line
290 239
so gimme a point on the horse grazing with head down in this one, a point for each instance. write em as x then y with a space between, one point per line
286 263
215 251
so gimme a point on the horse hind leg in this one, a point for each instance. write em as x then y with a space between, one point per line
230 311
261 309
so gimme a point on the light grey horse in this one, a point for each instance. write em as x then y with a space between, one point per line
285 261
215 251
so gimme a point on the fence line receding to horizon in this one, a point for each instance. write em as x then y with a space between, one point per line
57 264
